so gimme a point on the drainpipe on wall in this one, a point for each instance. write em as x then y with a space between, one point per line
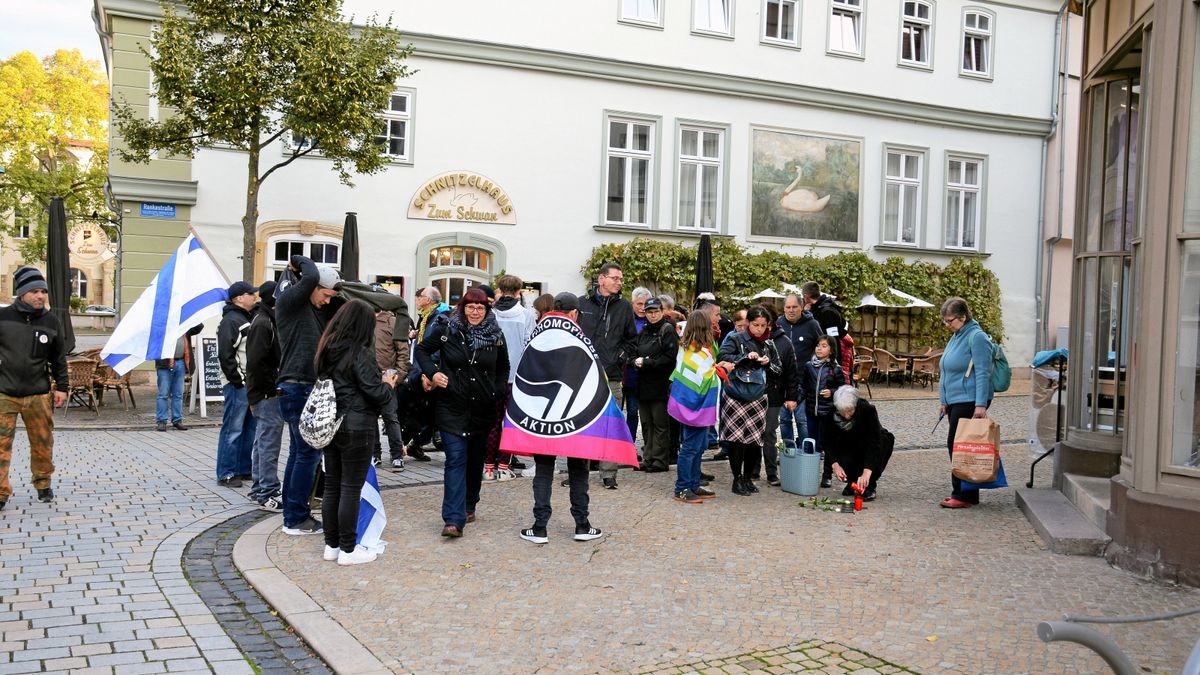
1044 248
1065 28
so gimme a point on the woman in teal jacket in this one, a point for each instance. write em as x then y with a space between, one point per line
966 383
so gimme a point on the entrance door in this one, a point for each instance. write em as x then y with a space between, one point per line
453 270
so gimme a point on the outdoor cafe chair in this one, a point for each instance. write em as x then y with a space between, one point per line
927 368
863 367
81 376
107 378
888 364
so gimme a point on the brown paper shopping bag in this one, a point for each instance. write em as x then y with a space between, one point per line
976 455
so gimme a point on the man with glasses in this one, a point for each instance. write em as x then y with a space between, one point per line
607 319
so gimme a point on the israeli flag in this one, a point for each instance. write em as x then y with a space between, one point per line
371 518
187 290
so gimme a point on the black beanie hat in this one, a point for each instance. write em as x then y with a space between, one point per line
28 279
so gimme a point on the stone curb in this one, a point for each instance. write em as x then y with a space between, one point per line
335 645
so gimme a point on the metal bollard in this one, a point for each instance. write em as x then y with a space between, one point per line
1061 631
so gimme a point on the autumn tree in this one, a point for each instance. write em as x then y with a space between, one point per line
245 73
53 141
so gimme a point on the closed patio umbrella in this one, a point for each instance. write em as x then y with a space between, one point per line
58 270
350 247
704 266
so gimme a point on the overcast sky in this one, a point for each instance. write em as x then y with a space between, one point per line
42 26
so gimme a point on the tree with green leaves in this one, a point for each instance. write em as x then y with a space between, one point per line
53 141
246 73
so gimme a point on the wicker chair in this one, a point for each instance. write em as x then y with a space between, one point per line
863 367
860 352
81 382
107 378
927 368
887 364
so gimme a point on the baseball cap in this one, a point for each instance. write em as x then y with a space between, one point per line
565 302
329 277
653 303
240 288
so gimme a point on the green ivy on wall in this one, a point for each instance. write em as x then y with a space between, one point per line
739 274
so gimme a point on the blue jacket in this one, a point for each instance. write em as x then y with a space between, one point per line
967 345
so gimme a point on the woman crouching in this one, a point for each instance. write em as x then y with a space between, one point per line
856 442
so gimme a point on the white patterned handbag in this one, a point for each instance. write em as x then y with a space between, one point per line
319 420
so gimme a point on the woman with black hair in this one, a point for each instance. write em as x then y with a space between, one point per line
743 422
468 378
346 355
819 378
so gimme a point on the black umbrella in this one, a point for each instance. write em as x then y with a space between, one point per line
58 270
704 266
350 247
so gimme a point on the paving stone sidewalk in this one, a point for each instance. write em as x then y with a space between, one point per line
674 586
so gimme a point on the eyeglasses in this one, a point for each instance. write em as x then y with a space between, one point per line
476 306
951 320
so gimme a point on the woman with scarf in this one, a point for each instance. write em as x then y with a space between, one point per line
857 443
468 378
346 355
819 378
743 423
657 345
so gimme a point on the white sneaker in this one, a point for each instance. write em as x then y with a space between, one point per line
331 553
489 474
358 557
505 474
397 464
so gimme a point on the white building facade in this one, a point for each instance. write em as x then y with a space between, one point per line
533 132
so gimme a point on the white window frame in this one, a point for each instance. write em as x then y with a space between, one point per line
720 162
988 38
78 280
638 19
794 43
916 21
697 13
951 185
921 157
858 10
386 117
652 154
273 264
23 232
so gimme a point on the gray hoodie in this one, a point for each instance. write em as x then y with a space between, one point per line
516 322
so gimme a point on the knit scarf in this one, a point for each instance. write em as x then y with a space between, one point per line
482 336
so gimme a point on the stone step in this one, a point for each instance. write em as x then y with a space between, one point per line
1060 524
1091 495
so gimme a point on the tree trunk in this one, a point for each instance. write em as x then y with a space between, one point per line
250 218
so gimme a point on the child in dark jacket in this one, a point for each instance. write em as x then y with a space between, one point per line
819 378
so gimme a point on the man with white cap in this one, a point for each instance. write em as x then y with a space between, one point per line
301 312
31 345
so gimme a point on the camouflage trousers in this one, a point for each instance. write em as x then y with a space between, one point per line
38 416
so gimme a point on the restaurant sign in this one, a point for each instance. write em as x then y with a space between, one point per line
462 196
88 242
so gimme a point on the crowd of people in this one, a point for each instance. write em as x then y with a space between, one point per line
737 383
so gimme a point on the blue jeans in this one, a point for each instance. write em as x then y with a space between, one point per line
170 390
236 440
463 475
687 468
631 414
268 434
302 459
801 431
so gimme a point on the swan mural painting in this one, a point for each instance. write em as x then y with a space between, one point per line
805 187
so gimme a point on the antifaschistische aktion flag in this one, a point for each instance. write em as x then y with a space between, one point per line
187 290
561 404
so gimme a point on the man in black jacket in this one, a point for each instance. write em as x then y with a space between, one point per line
262 370
802 331
31 345
607 319
236 440
827 313
300 318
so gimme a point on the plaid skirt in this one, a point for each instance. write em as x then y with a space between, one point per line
743 422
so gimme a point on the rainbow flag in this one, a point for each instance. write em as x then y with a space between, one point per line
695 387
561 404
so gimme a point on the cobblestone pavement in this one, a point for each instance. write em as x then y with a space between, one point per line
245 616
813 656
675 585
